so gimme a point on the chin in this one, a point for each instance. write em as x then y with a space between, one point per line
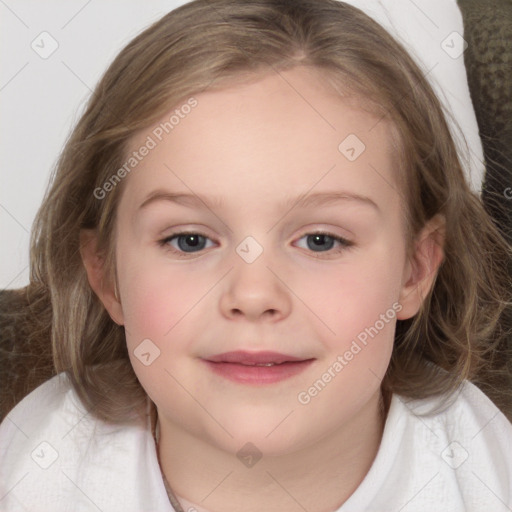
270 437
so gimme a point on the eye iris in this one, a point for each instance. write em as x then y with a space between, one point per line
319 240
193 241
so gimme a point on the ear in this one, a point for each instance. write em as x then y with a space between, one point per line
421 269
94 265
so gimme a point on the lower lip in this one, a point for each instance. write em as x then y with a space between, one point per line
258 374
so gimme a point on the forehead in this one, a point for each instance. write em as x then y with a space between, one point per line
284 133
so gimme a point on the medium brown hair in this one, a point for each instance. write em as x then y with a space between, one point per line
459 332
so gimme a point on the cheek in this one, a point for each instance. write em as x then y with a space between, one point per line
153 304
360 306
152 299
351 300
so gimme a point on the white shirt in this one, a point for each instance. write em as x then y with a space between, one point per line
54 457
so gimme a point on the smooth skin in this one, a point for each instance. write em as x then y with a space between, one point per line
254 146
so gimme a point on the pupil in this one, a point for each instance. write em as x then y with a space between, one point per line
319 240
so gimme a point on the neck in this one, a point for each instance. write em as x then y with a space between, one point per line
319 477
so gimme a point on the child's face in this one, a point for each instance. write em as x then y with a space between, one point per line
258 147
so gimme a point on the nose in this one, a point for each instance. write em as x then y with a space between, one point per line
255 292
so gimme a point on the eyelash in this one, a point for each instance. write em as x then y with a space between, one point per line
164 243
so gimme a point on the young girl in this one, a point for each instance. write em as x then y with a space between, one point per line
212 354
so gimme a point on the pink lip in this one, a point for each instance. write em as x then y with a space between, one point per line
241 366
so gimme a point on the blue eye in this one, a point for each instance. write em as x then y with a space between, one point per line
325 242
186 241
193 242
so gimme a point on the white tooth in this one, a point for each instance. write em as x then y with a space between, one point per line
265 364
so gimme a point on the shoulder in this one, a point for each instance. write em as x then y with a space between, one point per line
30 435
478 409
57 456
444 453
466 441
45 411
467 416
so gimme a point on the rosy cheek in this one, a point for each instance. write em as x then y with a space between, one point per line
154 316
146 310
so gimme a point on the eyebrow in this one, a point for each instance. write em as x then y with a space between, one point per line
302 201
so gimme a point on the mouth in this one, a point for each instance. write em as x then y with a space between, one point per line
254 358
256 367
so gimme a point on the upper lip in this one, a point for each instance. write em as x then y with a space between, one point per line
242 357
